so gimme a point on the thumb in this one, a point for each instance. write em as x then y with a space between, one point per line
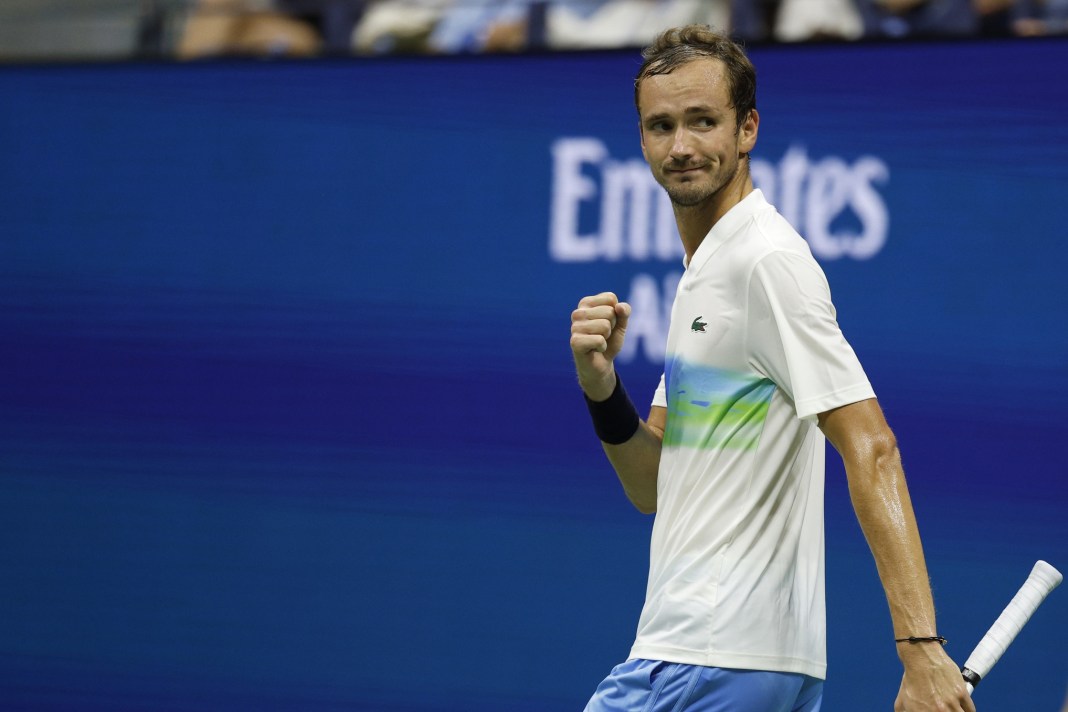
622 316
615 340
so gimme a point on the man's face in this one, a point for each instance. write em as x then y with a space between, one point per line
690 136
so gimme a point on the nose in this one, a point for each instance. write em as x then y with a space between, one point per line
680 146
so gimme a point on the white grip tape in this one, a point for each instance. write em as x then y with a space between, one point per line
1043 579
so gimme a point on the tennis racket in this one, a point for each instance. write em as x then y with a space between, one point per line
1043 579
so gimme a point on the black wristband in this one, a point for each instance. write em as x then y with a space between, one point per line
615 420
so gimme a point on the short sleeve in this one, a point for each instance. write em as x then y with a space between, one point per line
660 395
794 339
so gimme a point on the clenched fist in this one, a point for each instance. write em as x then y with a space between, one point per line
597 329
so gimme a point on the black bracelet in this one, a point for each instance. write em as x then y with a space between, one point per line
929 639
615 420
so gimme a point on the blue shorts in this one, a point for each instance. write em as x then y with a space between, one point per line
653 686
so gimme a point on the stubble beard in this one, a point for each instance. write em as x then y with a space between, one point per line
689 195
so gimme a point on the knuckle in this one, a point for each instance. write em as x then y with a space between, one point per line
604 298
599 327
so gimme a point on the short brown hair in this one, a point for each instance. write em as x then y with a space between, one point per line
677 46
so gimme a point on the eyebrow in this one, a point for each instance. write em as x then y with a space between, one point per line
689 110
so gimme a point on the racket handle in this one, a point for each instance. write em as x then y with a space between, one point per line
1043 579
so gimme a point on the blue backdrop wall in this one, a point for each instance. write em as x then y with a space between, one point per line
288 414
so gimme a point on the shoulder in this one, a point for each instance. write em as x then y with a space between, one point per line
776 234
761 229
759 239
777 251
783 267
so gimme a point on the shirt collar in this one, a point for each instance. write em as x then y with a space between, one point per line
726 226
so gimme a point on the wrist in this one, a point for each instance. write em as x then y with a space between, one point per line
599 388
913 640
615 419
920 655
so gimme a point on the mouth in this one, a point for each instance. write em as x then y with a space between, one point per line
687 170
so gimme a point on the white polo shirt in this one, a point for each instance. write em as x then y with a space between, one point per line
753 355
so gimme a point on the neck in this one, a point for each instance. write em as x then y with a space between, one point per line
694 221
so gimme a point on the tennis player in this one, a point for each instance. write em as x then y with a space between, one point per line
731 456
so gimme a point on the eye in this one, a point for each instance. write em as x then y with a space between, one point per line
659 126
706 122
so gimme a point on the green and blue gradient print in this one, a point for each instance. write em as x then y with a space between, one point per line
712 408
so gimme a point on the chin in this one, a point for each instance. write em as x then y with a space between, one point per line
690 195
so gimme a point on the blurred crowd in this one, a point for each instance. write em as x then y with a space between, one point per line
190 29
448 26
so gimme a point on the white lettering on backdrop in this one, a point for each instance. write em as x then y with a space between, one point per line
610 209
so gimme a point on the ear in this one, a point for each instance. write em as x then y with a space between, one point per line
747 132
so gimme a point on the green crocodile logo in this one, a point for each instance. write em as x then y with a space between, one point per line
698 325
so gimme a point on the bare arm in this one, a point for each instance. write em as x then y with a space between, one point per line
881 500
637 461
598 327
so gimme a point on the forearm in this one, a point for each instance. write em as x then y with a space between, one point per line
636 463
881 500
931 679
631 444
884 509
